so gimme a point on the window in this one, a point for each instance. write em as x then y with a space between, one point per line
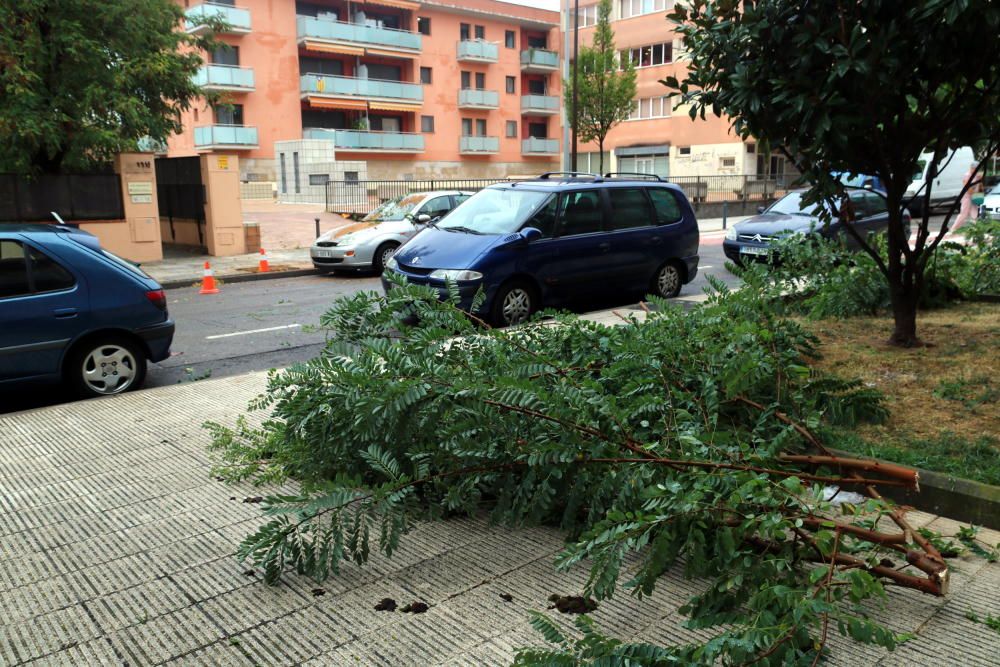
231 114
423 25
581 213
727 162
538 130
321 66
648 56
509 39
512 129
629 208
587 16
480 32
545 219
511 85
460 198
318 179
751 149
630 8
463 31
684 151
875 204
665 205
652 107
466 127
47 274
481 127
466 80
295 172
425 75
13 270
437 207
536 86
427 123
591 162
351 176
480 81
284 175
226 55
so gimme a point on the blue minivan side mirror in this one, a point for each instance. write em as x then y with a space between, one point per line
531 233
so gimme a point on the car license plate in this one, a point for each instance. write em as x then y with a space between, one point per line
753 250
322 253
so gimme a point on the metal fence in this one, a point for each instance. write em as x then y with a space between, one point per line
355 197
257 190
72 196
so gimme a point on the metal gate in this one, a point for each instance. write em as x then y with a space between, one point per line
180 192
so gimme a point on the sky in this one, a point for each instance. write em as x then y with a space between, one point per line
539 4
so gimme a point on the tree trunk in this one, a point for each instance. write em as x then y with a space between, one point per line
904 315
600 156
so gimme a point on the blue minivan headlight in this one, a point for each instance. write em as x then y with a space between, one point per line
458 275
731 234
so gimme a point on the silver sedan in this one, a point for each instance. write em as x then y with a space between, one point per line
370 243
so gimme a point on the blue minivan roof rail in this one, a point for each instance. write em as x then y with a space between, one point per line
547 175
633 174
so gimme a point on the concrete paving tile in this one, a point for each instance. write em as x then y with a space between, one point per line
164 637
46 634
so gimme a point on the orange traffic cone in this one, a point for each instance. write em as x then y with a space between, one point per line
208 281
263 266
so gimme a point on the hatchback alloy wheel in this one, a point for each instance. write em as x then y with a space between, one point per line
109 369
668 281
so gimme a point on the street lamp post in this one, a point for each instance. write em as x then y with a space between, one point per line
576 67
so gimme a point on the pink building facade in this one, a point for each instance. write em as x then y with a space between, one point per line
390 89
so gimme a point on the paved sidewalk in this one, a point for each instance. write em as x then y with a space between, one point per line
117 550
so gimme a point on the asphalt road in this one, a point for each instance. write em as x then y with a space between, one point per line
272 324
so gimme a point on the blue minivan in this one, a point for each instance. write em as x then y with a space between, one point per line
72 312
554 240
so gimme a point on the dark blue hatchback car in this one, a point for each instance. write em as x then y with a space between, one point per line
72 312
556 240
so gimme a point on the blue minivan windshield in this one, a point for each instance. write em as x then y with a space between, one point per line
495 211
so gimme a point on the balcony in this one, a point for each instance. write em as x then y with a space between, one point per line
237 18
322 85
225 136
313 32
478 51
539 60
479 145
368 141
539 146
539 105
478 99
225 77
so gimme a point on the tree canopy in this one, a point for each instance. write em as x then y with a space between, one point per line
81 80
861 87
605 94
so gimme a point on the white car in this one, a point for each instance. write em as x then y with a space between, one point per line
948 184
990 208
368 244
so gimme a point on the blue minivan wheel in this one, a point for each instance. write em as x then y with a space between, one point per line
668 280
513 304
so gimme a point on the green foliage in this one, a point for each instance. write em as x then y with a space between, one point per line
990 621
824 278
605 94
82 80
661 439
852 87
971 392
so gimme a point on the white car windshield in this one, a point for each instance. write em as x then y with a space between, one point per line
394 209
995 190
495 211
791 204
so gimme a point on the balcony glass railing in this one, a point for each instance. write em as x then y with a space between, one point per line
323 84
224 76
540 103
539 58
337 31
225 135
367 140
477 49
537 145
238 18
479 145
487 99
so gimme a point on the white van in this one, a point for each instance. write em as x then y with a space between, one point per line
948 184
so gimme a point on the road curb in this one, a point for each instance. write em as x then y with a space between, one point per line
946 495
240 278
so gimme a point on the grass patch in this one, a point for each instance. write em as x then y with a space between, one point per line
943 399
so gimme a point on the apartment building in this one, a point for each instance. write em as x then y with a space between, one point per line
659 138
383 89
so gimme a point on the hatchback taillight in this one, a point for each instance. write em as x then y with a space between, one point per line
157 298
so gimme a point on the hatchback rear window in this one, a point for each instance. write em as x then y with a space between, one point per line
13 270
125 264
665 203
48 274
